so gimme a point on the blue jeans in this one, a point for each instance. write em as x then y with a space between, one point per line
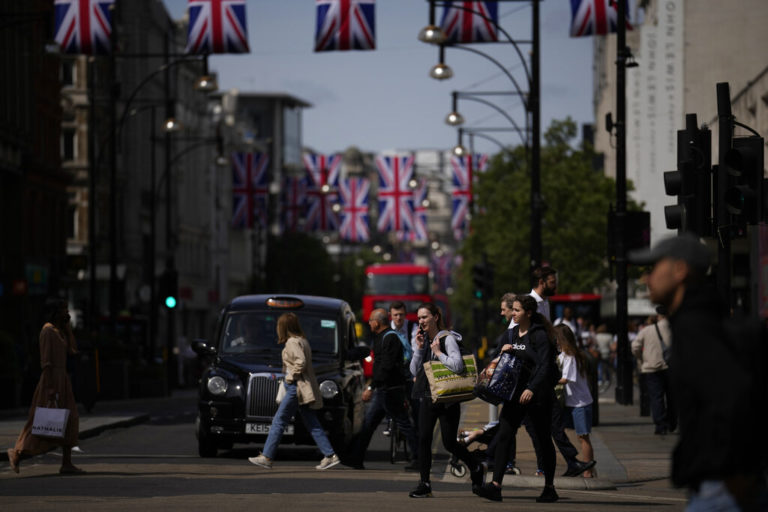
712 496
285 411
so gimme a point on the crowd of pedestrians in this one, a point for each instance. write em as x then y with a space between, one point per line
703 374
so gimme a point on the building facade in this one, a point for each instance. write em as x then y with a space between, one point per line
683 48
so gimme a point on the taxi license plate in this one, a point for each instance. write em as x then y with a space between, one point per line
263 428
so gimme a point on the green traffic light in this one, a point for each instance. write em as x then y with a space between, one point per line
478 294
170 302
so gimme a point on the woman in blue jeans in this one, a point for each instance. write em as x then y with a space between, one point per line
301 392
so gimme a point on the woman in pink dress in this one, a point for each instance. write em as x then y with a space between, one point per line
54 387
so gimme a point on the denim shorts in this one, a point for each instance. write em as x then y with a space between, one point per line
582 419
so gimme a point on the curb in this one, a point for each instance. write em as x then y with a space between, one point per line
98 429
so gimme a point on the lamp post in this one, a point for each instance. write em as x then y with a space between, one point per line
432 34
454 118
624 385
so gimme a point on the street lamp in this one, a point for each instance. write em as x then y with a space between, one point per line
532 103
454 118
441 71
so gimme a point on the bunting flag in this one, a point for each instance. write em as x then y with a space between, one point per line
345 25
419 231
322 191
470 22
595 17
83 26
217 26
354 209
463 171
249 189
294 202
395 198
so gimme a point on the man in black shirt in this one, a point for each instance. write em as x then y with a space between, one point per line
386 393
718 382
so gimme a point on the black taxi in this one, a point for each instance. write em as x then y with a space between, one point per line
238 387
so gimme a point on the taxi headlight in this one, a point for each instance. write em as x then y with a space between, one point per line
329 389
217 385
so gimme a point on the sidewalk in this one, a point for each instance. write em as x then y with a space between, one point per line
626 450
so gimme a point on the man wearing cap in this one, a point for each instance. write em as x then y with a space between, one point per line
721 450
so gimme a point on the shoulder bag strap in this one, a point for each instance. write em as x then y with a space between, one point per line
661 338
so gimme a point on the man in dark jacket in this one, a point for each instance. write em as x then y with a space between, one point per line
386 393
720 455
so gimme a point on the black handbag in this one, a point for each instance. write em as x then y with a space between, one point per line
501 379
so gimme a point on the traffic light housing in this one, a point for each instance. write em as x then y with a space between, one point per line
482 280
745 187
169 285
691 182
478 279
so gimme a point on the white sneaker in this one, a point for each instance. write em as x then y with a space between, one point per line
262 461
328 462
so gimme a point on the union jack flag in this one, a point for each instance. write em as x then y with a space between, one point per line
419 231
354 213
345 25
217 26
395 198
294 202
322 191
83 26
470 22
463 170
595 17
249 189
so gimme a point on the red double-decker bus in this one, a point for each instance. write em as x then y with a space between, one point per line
406 282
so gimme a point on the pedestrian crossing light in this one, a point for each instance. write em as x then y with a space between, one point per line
169 284
478 279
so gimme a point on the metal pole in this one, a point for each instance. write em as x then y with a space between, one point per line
624 387
92 290
725 134
113 305
170 263
152 237
535 108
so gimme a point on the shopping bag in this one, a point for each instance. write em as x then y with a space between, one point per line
50 422
500 380
280 392
449 387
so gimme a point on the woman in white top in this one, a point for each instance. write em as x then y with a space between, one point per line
578 399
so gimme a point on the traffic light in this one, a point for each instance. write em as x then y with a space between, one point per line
744 196
478 279
169 284
691 182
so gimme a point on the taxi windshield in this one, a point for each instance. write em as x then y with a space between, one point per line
256 332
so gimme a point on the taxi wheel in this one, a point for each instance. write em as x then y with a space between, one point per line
206 447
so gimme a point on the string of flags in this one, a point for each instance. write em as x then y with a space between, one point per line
220 26
321 201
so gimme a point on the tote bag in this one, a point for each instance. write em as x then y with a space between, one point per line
50 422
447 386
280 392
501 379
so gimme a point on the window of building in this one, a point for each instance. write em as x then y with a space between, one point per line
68 72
